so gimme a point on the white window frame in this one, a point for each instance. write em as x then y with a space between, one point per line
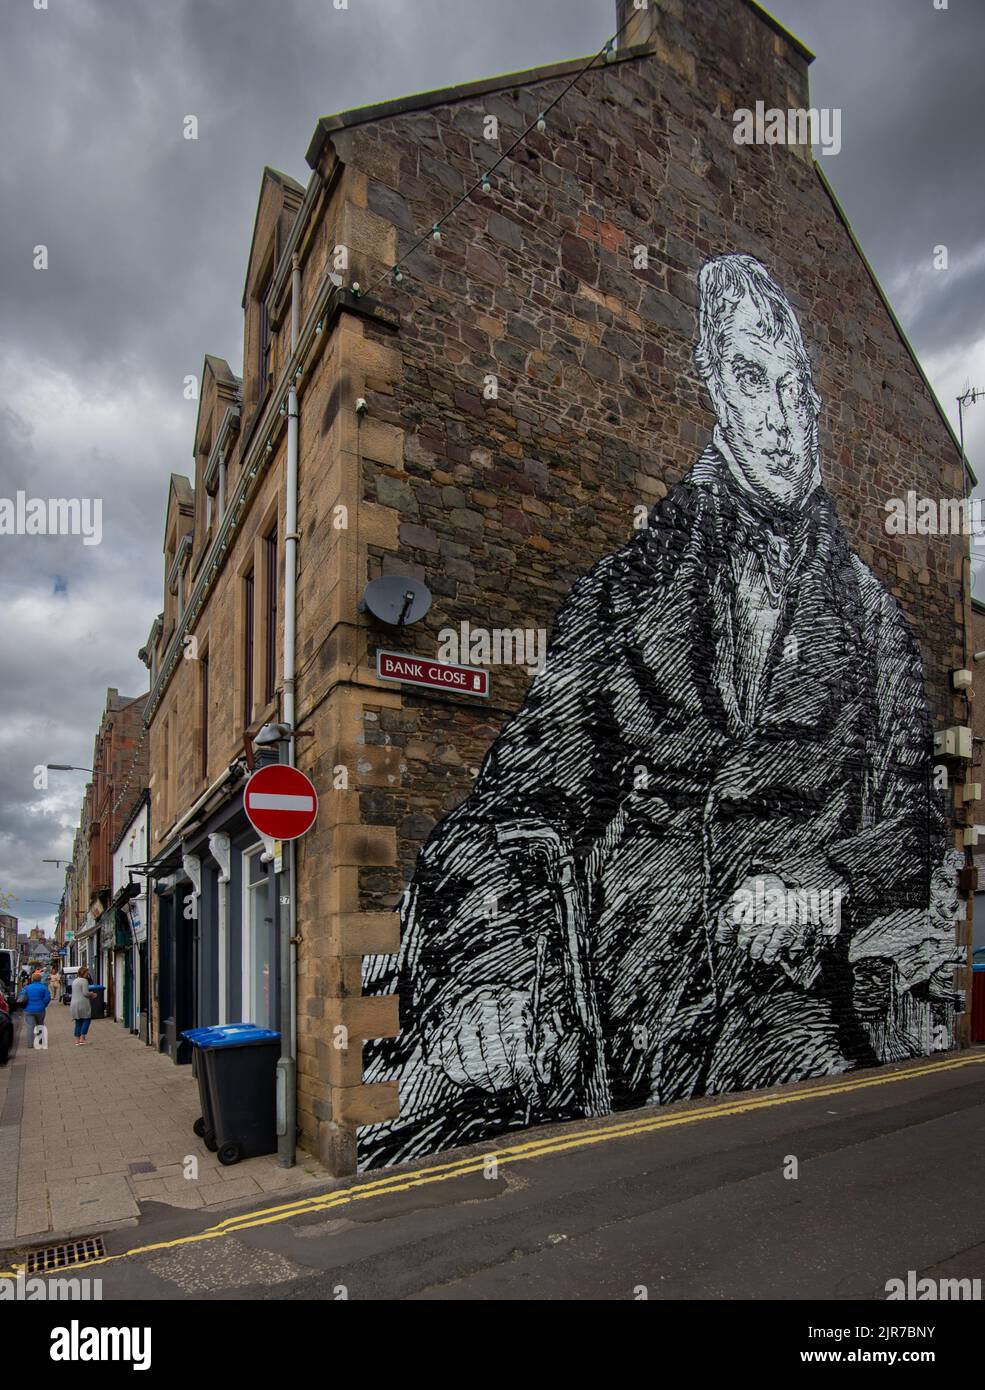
246 933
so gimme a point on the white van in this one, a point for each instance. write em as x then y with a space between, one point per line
8 971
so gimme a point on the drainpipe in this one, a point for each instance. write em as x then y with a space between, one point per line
287 1064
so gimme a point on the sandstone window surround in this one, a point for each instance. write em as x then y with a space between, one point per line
215 469
265 336
204 694
149 651
270 581
328 304
249 652
176 574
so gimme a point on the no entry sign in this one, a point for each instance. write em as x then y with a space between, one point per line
439 675
280 802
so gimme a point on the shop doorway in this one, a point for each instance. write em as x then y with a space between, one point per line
176 986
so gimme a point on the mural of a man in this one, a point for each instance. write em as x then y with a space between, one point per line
732 714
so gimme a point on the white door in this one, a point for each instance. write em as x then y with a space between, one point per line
118 989
259 943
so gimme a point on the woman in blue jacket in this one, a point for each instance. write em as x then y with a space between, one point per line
37 997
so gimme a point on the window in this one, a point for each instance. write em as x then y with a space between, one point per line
259 942
173 763
205 716
166 772
248 654
265 339
270 615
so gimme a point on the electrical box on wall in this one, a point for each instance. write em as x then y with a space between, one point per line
970 835
961 680
971 791
954 742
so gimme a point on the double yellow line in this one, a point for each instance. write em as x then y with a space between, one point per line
540 1147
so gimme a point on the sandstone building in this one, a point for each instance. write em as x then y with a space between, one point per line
493 411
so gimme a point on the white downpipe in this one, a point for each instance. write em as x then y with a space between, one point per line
222 948
291 519
287 1066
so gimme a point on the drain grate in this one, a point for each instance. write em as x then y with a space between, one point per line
73 1252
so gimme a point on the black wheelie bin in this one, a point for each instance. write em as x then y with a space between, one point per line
236 1068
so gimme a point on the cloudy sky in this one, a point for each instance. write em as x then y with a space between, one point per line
147 236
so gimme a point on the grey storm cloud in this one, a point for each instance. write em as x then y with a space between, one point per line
147 236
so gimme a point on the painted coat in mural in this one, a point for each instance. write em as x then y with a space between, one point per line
706 854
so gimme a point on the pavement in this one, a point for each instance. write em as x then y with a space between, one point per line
822 1190
97 1137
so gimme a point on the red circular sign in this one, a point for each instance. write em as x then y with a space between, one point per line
280 802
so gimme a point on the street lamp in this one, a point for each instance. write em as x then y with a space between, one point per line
57 862
270 734
66 767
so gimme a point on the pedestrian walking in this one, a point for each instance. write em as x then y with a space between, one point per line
81 1011
36 999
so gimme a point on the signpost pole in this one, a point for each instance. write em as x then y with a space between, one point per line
281 803
286 1065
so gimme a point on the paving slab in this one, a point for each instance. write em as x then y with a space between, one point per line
73 1121
89 1201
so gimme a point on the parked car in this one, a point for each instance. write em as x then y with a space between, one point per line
6 1029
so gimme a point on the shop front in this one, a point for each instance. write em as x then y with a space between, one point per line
217 927
175 984
130 904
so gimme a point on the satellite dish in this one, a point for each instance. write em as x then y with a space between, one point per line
396 600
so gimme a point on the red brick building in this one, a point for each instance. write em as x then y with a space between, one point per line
119 777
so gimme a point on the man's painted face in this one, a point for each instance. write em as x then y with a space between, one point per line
764 409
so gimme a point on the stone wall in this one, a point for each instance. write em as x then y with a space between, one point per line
502 504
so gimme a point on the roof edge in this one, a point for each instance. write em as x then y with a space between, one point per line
773 23
142 800
843 218
444 96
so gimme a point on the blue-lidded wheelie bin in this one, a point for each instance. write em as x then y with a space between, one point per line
97 1001
236 1067
204 1126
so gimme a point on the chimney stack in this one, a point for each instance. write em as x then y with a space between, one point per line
640 17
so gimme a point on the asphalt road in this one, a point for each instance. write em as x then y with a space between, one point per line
686 1202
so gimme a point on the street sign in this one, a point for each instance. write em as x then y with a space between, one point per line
438 675
279 801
